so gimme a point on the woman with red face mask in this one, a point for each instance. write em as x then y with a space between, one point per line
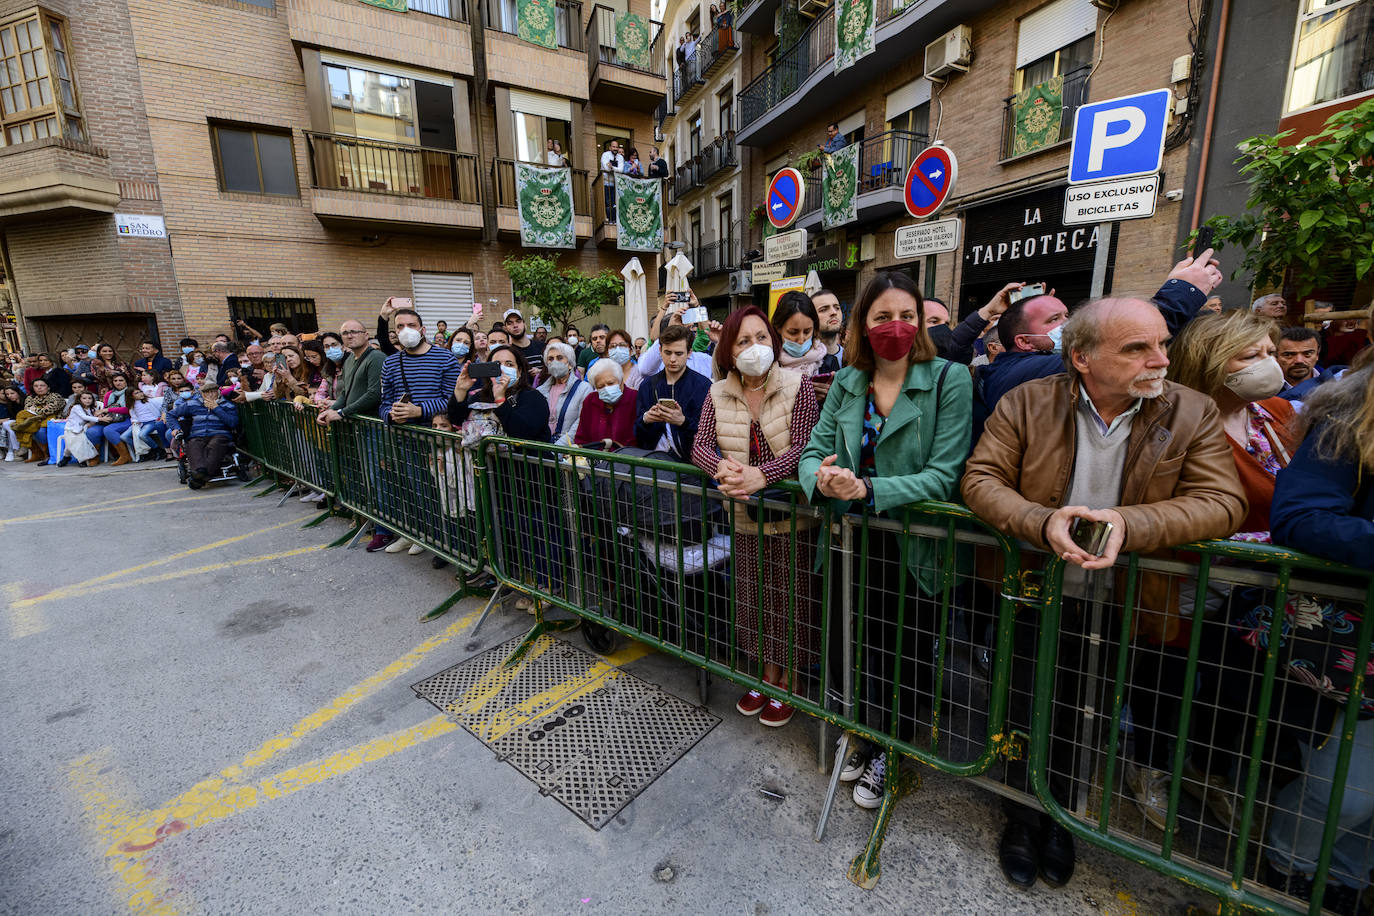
894 430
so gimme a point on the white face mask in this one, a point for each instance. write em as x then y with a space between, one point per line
409 337
755 360
1257 381
557 368
610 394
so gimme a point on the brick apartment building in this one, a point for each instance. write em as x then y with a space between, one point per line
190 162
885 104
706 209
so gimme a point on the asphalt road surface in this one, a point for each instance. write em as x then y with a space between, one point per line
207 711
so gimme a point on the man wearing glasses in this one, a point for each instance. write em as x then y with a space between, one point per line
360 382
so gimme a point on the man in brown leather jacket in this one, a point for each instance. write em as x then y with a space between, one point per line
1109 441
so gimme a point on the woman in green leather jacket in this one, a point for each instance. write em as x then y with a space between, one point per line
894 430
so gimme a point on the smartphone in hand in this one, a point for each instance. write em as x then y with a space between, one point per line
1091 536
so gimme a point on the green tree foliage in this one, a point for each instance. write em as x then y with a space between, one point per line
561 297
1311 206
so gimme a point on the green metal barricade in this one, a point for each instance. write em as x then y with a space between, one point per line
1218 707
1152 710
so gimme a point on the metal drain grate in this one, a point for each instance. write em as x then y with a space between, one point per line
585 732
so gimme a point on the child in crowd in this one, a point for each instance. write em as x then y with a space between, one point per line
79 419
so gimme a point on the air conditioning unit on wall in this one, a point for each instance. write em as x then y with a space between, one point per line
741 282
950 53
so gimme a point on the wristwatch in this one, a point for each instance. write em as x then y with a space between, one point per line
868 491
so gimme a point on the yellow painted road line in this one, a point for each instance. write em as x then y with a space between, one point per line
24 621
214 804
73 592
103 794
103 505
364 688
80 587
79 511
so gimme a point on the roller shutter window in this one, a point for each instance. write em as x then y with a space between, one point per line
442 297
905 98
1052 27
546 106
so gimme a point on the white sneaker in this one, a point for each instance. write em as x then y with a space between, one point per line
868 791
398 545
9 455
311 497
1151 791
854 763
415 550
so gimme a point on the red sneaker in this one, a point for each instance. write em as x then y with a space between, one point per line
776 714
751 703
379 542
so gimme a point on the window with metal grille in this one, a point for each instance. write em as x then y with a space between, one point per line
297 314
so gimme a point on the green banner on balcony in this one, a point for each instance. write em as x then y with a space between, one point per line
638 213
853 31
546 206
631 41
839 187
1037 111
396 6
536 22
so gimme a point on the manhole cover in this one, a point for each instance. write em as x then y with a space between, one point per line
583 731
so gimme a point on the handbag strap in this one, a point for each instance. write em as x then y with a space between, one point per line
567 402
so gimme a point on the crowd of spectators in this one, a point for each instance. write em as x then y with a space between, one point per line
1159 420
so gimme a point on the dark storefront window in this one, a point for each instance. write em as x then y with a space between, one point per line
1023 238
297 314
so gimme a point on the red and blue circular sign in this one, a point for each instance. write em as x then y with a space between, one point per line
783 202
929 181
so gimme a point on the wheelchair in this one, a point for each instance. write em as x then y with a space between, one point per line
235 467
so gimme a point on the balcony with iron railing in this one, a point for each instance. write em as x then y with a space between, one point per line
719 156
1073 93
687 178
502 16
624 63
507 198
883 162
357 179
716 257
707 56
802 77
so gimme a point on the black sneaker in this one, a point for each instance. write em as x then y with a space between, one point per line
1339 898
868 791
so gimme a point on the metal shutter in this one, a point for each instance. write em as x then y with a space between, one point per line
1053 27
446 297
546 106
900 101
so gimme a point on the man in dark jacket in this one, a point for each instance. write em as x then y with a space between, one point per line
663 427
211 439
1029 330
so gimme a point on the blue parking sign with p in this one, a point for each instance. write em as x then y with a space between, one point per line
1119 138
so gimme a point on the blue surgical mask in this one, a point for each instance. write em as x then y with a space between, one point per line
619 353
335 354
797 349
609 395
461 349
188 350
1056 336
511 373
186 395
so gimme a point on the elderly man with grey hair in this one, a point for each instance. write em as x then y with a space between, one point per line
610 423
1270 306
1110 441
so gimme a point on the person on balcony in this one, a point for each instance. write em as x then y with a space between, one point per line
658 167
611 162
633 168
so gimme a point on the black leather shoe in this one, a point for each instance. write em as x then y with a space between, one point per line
1056 854
1018 854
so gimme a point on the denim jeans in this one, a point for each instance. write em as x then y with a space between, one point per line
107 433
1295 831
146 435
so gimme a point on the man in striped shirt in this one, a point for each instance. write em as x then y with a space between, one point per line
417 381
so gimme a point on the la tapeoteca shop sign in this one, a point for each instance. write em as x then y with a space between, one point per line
1064 241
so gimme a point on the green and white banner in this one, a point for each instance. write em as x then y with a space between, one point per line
639 213
631 41
535 22
1038 110
853 31
396 6
839 187
546 206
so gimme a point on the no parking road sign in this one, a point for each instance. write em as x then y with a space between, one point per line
1119 138
784 198
929 181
